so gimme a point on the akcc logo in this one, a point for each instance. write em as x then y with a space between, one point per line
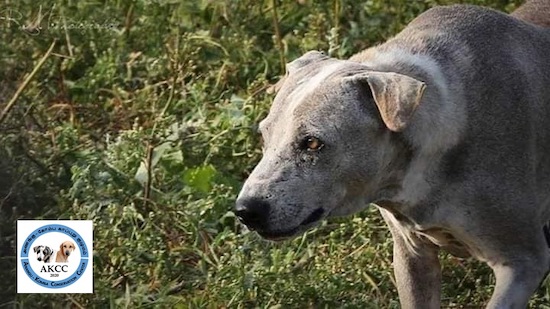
54 256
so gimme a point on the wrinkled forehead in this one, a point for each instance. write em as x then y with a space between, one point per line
314 82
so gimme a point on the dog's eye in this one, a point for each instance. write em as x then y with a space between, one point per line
312 143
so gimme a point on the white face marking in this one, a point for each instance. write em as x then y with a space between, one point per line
310 84
40 253
303 88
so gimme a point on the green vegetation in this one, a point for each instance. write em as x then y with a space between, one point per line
143 119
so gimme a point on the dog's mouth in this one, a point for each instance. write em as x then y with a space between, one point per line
308 222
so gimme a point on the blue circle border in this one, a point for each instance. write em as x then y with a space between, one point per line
58 228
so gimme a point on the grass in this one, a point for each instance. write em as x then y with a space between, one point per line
142 118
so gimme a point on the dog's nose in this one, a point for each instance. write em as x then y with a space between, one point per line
252 212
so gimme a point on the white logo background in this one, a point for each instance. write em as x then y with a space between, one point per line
53 239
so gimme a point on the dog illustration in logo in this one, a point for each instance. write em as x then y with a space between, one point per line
43 253
65 249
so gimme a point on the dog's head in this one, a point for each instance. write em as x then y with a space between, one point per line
39 250
330 138
66 247
48 252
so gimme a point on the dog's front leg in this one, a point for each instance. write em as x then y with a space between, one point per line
518 277
418 274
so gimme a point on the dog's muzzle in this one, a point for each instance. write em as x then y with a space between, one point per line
254 213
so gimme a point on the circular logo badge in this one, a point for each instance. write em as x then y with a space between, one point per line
54 256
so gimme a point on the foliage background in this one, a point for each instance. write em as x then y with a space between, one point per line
143 120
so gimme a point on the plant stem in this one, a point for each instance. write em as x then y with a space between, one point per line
25 83
278 37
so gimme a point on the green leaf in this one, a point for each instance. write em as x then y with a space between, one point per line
200 178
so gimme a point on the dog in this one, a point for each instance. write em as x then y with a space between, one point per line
444 128
65 249
43 253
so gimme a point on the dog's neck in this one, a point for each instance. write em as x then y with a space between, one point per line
435 127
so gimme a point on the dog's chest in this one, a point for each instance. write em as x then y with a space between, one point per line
422 230
445 240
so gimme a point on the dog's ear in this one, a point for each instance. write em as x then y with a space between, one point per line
291 67
396 95
35 248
